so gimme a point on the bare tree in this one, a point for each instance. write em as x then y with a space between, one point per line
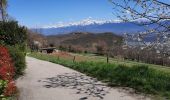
149 12
154 11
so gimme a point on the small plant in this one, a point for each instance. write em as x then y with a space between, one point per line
3 84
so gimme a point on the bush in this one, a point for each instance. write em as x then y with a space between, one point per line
12 34
14 37
7 85
12 62
18 57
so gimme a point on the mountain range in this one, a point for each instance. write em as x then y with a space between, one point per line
92 26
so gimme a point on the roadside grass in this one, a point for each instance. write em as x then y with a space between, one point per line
140 77
113 60
80 57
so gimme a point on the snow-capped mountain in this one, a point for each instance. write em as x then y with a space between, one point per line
91 25
88 21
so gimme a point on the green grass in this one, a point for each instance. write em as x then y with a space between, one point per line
95 58
140 77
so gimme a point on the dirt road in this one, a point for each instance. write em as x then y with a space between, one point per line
47 81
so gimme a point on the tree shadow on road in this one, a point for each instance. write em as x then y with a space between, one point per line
81 83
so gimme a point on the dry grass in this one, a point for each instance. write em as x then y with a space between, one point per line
70 56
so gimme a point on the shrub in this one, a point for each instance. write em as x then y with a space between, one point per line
11 33
18 57
14 37
6 65
12 62
7 85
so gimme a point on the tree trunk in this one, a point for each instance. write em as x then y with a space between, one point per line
2 11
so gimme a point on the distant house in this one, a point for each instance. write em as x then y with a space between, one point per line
48 50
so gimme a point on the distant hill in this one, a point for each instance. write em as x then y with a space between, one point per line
33 37
85 40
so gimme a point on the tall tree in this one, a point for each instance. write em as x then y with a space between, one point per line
3 6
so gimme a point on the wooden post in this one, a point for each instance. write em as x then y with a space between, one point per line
74 58
107 58
58 57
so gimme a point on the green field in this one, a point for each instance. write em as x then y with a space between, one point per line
144 78
93 57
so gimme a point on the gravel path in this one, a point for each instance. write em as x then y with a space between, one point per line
47 81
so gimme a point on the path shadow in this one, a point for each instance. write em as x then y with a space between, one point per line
81 83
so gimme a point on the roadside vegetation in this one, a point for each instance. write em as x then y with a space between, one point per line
7 72
140 77
12 53
12 57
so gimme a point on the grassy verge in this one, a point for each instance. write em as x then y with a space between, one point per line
142 78
95 58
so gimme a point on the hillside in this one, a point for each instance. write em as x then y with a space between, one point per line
36 37
84 40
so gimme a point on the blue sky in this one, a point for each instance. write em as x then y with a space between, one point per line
43 12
